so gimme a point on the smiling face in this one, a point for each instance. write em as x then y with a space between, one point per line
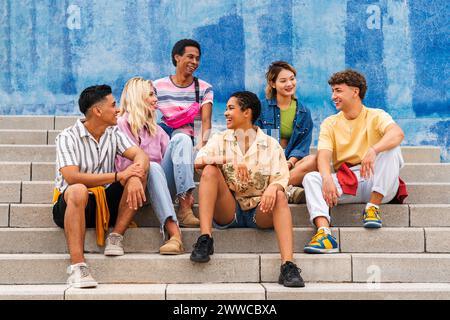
235 117
344 96
107 110
188 62
151 100
285 84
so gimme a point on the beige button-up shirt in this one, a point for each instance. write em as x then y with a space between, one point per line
265 161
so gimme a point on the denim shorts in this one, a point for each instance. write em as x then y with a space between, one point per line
242 219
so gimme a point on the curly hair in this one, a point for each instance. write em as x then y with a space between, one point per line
351 78
248 100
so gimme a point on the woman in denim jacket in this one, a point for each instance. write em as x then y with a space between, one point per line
287 120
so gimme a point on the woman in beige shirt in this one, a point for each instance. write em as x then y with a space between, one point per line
243 184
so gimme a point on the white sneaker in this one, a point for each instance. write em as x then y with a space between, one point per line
114 246
80 277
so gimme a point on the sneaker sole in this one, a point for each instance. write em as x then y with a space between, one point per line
173 253
292 285
200 260
372 225
85 285
114 253
182 225
316 250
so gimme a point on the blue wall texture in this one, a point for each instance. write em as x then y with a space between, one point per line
51 49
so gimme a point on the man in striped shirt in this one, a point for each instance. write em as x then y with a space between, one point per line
88 191
177 93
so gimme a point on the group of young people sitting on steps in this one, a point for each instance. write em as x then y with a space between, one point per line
112 160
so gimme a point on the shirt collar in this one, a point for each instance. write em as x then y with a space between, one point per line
260 137
83 131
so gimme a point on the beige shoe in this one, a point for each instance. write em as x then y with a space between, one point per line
187 219
172 246
295 194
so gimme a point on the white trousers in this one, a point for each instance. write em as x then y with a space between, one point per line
384 181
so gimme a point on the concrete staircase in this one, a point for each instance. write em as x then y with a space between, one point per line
409 258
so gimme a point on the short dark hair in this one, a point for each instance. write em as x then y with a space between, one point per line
248 100
92 95
178 48
351 78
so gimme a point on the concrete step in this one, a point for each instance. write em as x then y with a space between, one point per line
346 215
29 153
36 122
41 192
148 240
26 171
425 172
360 291
229 268
234 291
43 152
27 122
45 171
23 137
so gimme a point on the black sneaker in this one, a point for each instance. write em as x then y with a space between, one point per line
290 275
203 248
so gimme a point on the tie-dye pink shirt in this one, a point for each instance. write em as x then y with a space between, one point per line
173 98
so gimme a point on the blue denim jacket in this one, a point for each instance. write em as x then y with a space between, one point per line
300 141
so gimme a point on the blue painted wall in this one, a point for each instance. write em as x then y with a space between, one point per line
51 49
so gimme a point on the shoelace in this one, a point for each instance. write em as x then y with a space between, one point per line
293 270
84 271
115 239
372 212
202 244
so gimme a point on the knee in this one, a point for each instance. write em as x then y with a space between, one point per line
155 168
182 139
210 172
281 198
311 177
76 195
311 164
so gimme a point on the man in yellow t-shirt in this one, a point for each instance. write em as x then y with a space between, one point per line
365 139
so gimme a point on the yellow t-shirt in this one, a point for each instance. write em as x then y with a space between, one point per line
349 140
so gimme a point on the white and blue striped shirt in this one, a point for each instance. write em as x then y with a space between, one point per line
75 146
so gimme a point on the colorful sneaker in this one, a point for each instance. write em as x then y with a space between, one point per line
322 243
371 218
114 246
80 277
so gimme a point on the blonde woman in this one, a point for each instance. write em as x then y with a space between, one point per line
138 121
283 116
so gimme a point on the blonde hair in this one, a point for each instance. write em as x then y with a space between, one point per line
133 97
272 74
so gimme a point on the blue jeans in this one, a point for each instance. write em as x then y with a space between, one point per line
159 195
242 219
178 165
